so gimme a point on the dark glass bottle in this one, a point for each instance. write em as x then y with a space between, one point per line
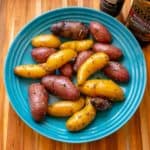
112 7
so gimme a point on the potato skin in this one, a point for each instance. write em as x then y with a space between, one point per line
38 99
82 118
60 58
61 86
91 65
41 54
116 72
65 108
67 70
77 45
113 52
99 32
100 103
46 40
103 88
82 56
31 71
69 29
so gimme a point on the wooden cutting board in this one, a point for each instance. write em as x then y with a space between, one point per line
14 134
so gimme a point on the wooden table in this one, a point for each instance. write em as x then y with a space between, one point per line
14 134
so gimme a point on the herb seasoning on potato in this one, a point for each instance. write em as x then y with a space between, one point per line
70 29
116 72
77 45
82 118
61 86
94 63
38 99
46 40
103 88
60 58
64 108
113 52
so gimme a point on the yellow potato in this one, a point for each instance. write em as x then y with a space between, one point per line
65 108
60 58
91 65
77 45
82 118
102 87
46 40
30 71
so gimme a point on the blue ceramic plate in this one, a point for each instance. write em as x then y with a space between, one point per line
106 122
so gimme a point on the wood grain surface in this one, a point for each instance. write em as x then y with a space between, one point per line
14 134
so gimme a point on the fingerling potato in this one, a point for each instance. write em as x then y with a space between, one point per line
40 54
100 103
94 63
31 70
60 58
46 40
77 45
82 118
113 52
38 99
99 32
70 29
116 72
67 70
61 86
103 88
82 56
65 108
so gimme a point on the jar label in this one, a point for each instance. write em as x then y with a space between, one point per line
139 21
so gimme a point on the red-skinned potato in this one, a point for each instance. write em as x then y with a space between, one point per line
38 99
41 54
67 70
61 86
99 32
113 52
100 103
82 56
70 29
116 72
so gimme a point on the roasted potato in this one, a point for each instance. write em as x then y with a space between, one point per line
31 70
61 86
103 88
100 103
116 72
81 58
46 40
113 52
67 70
82 118
60 58
41 54
77 45
99 32
69 29
38 99
94 63
65 108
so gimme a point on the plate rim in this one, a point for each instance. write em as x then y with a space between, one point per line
55 138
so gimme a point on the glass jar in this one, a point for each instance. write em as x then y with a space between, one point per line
138 20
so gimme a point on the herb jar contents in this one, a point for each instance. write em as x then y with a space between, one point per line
138 20
112 7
